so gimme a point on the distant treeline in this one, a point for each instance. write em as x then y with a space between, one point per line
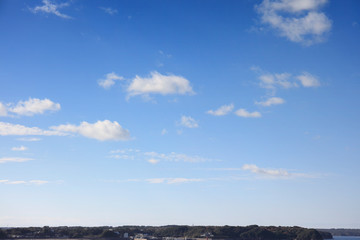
342 231
253 232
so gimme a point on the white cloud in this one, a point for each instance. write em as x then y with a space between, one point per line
244 113
101 130
14 159
273 173
51 8
3 110
308 80
223 110
188 122
109 10
34 106
159 84
8 129
173 180
109 81
271 101
21 148
153 161
297 20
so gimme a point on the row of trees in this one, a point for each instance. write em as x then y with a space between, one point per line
252 232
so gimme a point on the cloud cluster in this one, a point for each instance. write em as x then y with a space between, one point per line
101 130
109 81
30 107
297 20
51 8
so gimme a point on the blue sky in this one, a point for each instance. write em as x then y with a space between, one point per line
180 112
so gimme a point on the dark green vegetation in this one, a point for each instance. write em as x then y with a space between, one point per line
342 231
252 232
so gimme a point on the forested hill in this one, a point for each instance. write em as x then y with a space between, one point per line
252 232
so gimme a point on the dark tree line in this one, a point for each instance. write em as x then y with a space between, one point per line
252 232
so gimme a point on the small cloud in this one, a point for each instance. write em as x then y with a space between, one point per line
272 173
14 159
308 80
153 161
109 81
297 20
188 122
21 148
34 106
109 10
101 130
221 111
51 8
244 113
164 131
159 84
271 101
156 180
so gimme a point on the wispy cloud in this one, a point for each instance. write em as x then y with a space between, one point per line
101 130
273 173
51 8
159 84
271 101
19 182
3 110
29 139
14 159
21 148
245 114
188 122
173 180
109 80
221 111
9 129
109 10
297 20
30 107
132 154
274 81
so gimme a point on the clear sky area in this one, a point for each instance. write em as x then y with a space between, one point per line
201 112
